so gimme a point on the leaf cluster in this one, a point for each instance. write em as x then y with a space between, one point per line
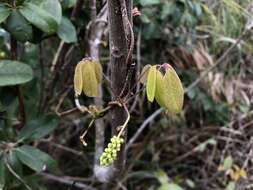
88 74
164 85
36 20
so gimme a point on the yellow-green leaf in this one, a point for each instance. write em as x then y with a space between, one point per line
98 71
174 91
78 79
90 83
151 83
144 74
160 93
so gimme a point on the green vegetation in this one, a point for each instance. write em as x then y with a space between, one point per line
113 95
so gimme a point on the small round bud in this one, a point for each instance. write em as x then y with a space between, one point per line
114 155
114 145
110 160
109 156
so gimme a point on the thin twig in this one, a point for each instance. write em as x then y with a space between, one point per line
41 61
14 56
143 126
67 181
93 8
122 127
16 175
138 45
59 146
56 57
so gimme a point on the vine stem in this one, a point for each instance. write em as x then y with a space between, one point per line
16 175
14 56
85 132
125 123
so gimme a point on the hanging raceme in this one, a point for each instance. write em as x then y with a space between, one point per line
164 85
88 74
110 153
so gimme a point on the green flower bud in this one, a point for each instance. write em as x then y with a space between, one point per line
109 156
114 155
110 160
114 145
110 152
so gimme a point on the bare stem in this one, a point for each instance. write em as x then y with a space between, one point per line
122 127
14 56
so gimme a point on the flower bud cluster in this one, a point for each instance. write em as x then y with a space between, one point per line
110 153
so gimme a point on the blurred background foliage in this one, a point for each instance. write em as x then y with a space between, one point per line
208 146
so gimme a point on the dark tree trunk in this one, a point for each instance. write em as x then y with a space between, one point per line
119 50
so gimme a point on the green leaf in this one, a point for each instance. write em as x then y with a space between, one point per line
18 26
67 31
78 78
160 93
39 17
228 162
38 128
190 183
14 72
162 177
4 12
2 172
53 7
151 83
174 91
90 83
173 186
19 2
231 186
66 4
145 18
169 186
167 9
34 158
149 2
15 163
